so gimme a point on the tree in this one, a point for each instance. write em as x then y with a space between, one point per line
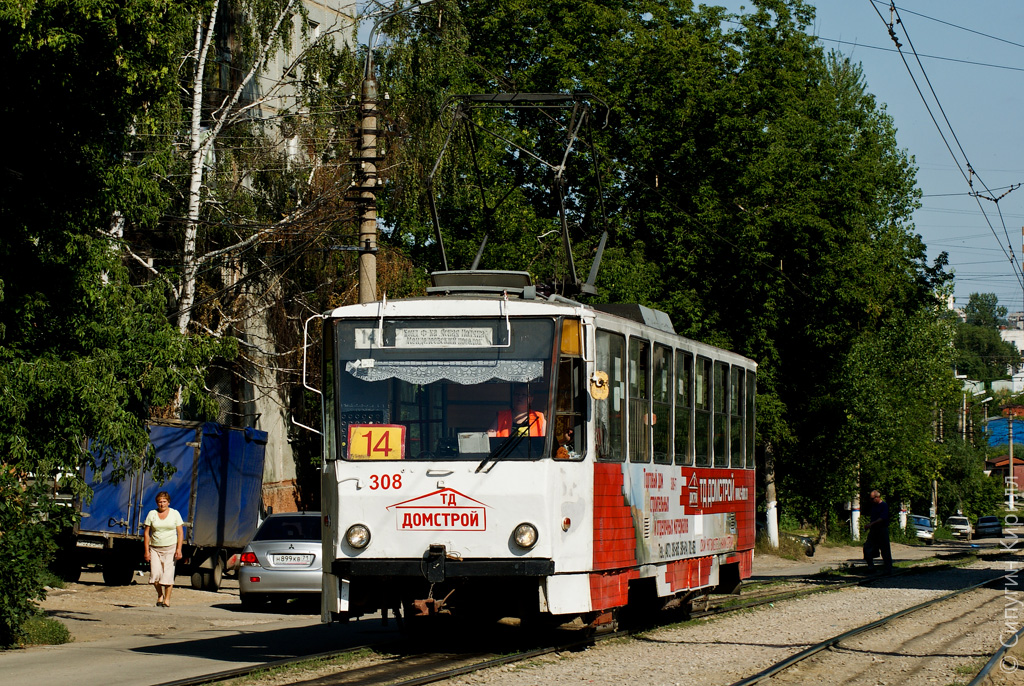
983 309
982 354
83 353
754 189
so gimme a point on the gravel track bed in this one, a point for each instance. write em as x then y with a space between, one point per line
728 648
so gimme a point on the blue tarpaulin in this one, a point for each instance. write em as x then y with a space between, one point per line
217 485
997 431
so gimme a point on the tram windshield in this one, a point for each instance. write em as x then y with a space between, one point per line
466 389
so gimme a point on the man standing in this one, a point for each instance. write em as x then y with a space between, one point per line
878 533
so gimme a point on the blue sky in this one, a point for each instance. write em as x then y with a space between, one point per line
984 105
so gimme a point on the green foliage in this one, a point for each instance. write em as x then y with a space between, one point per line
983 309
789 548
84 354
25 541
906 536
754 190
981 353
39 630
963 485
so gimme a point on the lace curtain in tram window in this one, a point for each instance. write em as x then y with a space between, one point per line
465 372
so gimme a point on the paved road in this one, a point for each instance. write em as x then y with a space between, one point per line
826 557
189 639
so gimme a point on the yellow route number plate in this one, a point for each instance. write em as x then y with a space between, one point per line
376 442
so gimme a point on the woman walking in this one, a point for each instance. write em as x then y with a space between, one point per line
162 539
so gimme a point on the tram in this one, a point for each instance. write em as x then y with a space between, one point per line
489 452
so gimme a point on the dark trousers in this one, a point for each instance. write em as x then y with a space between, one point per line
878 543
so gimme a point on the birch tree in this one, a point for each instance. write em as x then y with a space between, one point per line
255 172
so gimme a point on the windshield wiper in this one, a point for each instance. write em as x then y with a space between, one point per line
503 449
507 446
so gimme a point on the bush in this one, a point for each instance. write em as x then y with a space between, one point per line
907 536
788 548
40 630
943 534
26 545
49 578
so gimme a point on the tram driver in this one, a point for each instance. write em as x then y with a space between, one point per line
520 419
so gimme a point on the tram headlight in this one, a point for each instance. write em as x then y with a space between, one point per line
525 535
358 536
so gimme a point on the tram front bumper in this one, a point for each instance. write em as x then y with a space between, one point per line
435 567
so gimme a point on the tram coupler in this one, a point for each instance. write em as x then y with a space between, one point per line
432 606
433 563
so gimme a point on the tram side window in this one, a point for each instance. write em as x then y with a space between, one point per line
702 413
684 407
721 400
736 418
662 391
639 400
751 395
570 400
609 411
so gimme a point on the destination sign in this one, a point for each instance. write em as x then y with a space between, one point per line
448 337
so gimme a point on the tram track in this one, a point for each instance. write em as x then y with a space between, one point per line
394 665
861 656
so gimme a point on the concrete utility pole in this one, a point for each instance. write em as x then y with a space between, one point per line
366 173
1010 412
366 166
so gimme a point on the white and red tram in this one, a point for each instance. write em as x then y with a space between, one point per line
489 452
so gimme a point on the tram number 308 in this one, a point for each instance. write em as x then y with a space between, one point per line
385 481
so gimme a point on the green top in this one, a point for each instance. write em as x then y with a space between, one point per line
163 532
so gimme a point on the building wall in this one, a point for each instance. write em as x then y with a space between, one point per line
327 20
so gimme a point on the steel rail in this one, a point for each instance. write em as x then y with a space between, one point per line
458 671
997 658
828 643
787 594
263 666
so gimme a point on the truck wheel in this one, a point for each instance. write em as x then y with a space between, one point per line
197 580
213 577
117 571
71 574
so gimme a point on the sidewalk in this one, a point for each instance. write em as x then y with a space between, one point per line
769 566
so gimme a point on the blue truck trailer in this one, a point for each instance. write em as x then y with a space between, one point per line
217 488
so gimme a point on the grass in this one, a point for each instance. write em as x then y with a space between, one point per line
44 631
788 548
52 580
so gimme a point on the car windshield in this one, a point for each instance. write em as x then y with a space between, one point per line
297 528
959 521
921 521
987 520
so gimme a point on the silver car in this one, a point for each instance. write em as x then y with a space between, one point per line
282 561
960 526
923 528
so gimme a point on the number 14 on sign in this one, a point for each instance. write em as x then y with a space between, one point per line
376 442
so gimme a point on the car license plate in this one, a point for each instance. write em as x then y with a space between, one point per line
89 544
292 559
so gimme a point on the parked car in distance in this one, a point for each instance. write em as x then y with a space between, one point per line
282 561
923 528
988 526
959 525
